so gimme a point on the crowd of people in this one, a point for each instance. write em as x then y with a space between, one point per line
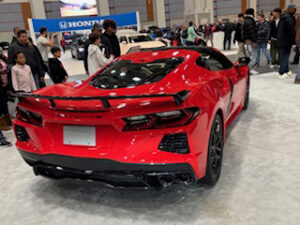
281 31
25 67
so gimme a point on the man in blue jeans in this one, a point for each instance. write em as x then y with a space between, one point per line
262 39
3 141
286 38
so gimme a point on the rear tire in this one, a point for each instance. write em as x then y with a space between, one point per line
214 153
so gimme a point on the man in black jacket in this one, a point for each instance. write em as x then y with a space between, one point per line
105 44
110 28
275 50
32 58
228 29
238 37
286 38
249 35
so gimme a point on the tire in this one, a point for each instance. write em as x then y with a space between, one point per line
247 96
214 153
72 54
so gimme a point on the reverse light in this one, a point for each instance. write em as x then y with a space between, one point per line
29 117
161 120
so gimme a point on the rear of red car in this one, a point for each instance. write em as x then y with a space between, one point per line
119 136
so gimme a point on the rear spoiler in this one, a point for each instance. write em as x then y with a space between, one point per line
178 97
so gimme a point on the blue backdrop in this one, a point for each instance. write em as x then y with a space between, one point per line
83 23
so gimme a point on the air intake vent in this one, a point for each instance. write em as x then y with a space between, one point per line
21 133
176 143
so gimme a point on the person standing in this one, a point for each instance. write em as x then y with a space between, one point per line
110 28
43 43
297 29
228 29
249 34
105 44
208 34
63 43
96 57
5 120
275 50
56 68
238 38
21 75
192 35
286 38
15 39
262 39
30 54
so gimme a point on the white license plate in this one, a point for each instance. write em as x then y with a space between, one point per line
80 135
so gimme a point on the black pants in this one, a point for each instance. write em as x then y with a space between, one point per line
189 43
284 63
3 101
296 57
227 39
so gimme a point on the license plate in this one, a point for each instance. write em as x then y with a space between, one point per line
80 135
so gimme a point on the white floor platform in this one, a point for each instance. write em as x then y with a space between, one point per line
259 183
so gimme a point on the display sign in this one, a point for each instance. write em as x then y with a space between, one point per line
78 8
84 23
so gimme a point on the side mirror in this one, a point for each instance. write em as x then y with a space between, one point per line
244 61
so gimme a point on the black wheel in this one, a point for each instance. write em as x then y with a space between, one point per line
215 153
72 54
247 96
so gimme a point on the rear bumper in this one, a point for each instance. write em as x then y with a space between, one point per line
113 173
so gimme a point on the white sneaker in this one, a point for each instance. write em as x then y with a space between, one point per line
283 76
253 72
272 66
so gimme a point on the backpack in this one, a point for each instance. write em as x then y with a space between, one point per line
184 34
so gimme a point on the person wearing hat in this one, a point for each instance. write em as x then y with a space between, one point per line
286 38
105 46
249 35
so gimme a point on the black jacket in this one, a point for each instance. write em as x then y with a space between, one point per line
114 41
228 29
105 43
32 58
286 31
263 32
238 33
273 30
57 71
250 30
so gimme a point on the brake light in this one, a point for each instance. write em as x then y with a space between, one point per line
161 120
29 117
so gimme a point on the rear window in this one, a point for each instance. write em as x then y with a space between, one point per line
125 73
140 38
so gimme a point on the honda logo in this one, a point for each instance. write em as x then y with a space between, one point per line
63 25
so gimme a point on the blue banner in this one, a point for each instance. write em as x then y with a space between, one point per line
83 23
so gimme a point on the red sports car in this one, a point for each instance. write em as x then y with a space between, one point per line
148 119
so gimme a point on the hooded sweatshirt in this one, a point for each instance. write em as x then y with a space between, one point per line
96 59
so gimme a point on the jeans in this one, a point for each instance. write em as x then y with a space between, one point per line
263 47
1 136
284 63
227 39
252 53
36 80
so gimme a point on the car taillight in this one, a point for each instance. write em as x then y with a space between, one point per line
29 117
161 120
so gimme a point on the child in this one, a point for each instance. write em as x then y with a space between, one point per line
57 70
96 58
21 74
